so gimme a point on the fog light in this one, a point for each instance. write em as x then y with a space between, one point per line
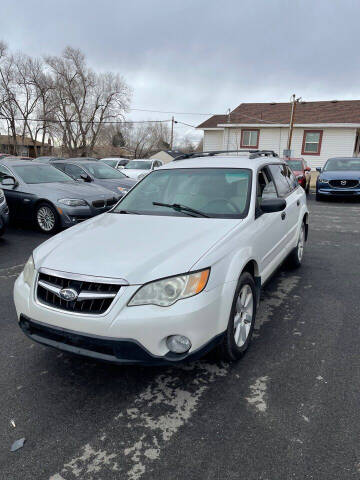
178 343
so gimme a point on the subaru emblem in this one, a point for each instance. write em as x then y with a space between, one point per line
68 294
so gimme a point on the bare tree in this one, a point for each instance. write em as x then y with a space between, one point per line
145 139
84 100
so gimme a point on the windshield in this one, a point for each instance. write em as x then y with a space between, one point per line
112 163
41 174
138 165
341 164
216 192
295 164
102 171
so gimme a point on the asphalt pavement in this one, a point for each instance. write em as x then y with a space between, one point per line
288 410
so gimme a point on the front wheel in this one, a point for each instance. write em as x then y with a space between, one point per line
297 254
242 319
46 218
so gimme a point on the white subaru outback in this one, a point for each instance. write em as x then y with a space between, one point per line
174 269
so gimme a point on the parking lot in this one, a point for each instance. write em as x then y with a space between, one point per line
289 409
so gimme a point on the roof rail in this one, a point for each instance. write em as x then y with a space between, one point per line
253 154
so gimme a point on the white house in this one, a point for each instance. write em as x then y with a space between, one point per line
321 129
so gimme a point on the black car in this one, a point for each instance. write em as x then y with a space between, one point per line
49 197
4 212
96 172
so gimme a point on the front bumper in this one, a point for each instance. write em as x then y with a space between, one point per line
338 192
73 215
119 350
140 331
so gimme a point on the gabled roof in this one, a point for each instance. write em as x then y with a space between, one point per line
335 111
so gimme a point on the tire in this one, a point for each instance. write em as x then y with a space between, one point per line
46 218
237 338
307 189
296 256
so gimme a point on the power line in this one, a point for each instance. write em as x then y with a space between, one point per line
84 122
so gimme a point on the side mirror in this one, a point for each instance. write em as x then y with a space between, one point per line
318 169
271 205
86 177
8 182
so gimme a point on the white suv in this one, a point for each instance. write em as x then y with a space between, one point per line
174 269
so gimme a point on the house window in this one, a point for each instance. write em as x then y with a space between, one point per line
312 142
249 138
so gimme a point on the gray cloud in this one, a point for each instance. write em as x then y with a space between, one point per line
201 56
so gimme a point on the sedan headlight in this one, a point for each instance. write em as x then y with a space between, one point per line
323 180
169 290
29 271
123 190
73 202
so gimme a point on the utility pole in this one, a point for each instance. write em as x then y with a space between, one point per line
172 133
294 102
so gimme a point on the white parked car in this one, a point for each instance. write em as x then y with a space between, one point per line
115 162
174 269
139 168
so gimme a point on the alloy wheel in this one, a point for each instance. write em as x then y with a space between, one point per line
301 243
46 218
243 315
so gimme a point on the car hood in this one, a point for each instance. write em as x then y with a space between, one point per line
137 248
113 184
342 175
134 173
74 189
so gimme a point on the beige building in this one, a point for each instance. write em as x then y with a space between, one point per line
166 156
24 146
321 129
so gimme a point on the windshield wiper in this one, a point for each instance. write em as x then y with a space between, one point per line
181 208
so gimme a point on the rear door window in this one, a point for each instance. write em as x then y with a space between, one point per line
281 175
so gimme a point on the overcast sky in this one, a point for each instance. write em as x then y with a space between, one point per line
201 56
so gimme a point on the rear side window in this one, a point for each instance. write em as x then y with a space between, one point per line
291 178
279 174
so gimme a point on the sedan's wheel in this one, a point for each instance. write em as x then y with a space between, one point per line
297 254
46 218
242 319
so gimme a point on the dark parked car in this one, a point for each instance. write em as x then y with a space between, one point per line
96 172
114 162
47 159
301 170
4 212
49 197
339 177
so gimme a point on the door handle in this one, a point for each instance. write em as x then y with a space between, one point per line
298 203
283 216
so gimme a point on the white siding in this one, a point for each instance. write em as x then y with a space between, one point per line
335 142
213 140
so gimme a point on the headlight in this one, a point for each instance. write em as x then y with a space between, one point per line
73 202
323 180
123 190
29 271
169 290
